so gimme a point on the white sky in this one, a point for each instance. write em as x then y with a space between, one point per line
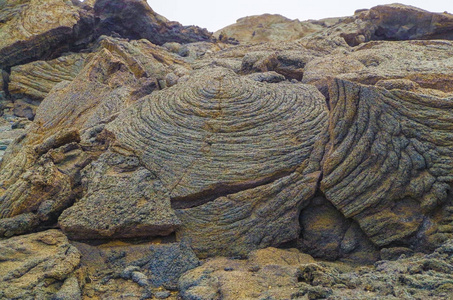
215 15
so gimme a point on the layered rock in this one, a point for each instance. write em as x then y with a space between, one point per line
36 79
388 163
29 34
134 19
41 174
38 266
393 22
208 141
423 66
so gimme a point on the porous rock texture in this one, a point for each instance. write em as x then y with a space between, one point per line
208 169
35 266
230 127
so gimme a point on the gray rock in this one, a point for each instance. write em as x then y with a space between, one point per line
70 290
166 264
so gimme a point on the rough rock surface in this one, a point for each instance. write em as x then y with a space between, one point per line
28 34
389 162
286 274
266 28
43 173
336 143
209 139
134 19
268 274
137 202
422 64
35 266
394 22
36 79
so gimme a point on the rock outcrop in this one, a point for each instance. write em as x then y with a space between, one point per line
134 19
141 158
34 29
206 143
389 161
266 28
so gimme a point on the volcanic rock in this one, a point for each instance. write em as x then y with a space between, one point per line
45 164
125 199
389 162
394 22
34 266
268 273
29 34
266 28
36 79
134 19
426 63
288 274
209 139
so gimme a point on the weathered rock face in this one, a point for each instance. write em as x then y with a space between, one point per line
422 64
134 19
41 174
336 144
268 273
29 34
266 28
38 266
216 158
137 202
393 22
389 161
36 79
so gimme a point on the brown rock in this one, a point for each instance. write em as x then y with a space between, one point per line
34 266
270 272
389 162
29 34
394 22
414 64
266 28
209 139
41 172
36 79
122 199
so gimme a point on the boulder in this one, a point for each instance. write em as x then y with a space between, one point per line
209 139
35 266
28 34
122 199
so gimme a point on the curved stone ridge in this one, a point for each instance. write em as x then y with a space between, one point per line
389 164
219 132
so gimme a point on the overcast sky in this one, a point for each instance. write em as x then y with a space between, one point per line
215 15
